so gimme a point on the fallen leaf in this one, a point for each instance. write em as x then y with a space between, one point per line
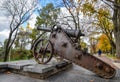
8 72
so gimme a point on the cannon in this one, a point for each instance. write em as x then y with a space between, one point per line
71 33
64 42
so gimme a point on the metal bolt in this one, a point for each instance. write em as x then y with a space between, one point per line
99 66
64 44
78 56
107 69
54 35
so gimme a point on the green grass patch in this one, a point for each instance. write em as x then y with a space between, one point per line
111 56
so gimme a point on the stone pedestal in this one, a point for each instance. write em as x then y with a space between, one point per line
32 69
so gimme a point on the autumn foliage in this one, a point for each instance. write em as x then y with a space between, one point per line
103 43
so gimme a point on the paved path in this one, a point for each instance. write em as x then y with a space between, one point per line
74 74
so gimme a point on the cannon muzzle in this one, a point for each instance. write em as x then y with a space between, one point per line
69 32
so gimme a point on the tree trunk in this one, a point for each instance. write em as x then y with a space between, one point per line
9 44
118 44
116 21
6 54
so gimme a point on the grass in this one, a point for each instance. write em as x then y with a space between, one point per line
111 56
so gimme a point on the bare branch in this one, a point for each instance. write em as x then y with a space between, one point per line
108 4
13 40
69 9
13 17
20 11
114 3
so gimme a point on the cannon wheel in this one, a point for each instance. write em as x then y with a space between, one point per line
43 51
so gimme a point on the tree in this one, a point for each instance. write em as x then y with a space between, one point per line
47 16
22 36
83 45
34 36
72 8
107 26
116 23
103 43
19 12
74 19
93 41
114 7
1 51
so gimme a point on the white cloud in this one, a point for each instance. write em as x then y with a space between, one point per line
4 20
4 26
4 23
3 35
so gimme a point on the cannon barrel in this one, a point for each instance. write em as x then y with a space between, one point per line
44 29
69 32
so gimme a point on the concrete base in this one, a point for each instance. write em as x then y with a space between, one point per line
32 69
38 68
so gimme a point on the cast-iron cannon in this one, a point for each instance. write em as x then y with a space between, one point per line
65 43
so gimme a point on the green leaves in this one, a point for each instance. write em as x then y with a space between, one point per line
48 15
34 34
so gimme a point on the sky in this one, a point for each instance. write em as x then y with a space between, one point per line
4 23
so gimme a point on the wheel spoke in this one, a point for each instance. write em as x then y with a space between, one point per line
42 58
44 51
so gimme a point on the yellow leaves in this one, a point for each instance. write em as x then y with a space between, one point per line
29 27
78 1
88 9
83 44
105 23
103 12
103 43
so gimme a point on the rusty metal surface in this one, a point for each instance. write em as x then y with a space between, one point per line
64 46
43 51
